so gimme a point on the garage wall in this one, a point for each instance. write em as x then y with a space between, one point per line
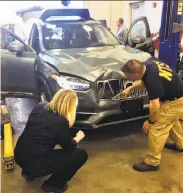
109 10
154 15
112 10
98 9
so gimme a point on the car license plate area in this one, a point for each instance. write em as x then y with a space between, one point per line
132 106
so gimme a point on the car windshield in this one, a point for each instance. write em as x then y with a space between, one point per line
66 36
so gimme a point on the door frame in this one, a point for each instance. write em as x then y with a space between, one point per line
131 4
28 49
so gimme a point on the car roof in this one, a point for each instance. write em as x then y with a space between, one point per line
44 15
72 22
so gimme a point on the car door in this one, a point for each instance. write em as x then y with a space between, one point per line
18 70
139 36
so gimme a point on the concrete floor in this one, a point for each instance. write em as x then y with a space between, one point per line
112 153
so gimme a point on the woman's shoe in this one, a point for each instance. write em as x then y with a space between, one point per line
27 177
52 189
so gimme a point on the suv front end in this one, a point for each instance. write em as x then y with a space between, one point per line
101 103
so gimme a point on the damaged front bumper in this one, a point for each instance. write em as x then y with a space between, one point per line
113 113
111 117
103 105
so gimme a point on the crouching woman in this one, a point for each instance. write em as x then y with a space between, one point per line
49 125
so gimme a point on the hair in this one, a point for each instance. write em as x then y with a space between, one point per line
121 20
133 66
64 104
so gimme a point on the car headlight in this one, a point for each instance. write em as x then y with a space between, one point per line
72 83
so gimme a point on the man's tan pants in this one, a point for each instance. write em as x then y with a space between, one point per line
181 117
167 124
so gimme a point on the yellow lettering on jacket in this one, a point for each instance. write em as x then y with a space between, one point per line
164 70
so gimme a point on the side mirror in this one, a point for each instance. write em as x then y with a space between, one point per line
138 40
15 47
103 22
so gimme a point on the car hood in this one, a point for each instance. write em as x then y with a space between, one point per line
94 63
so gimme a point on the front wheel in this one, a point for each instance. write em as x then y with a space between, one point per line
44 93
42 97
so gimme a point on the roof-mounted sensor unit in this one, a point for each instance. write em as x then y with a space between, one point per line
82 13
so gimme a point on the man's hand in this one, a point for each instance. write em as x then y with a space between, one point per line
146 126
126 92
79 136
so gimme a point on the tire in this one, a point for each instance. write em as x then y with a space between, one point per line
44 93
42 97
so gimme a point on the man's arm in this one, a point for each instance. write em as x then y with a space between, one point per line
154 109
138 84
155 91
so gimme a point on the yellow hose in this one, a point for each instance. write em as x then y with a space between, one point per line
8 141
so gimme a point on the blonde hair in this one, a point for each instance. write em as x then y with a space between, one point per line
64 103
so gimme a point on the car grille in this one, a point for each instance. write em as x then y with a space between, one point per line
111 89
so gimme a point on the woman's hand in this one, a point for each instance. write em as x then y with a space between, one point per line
79 136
